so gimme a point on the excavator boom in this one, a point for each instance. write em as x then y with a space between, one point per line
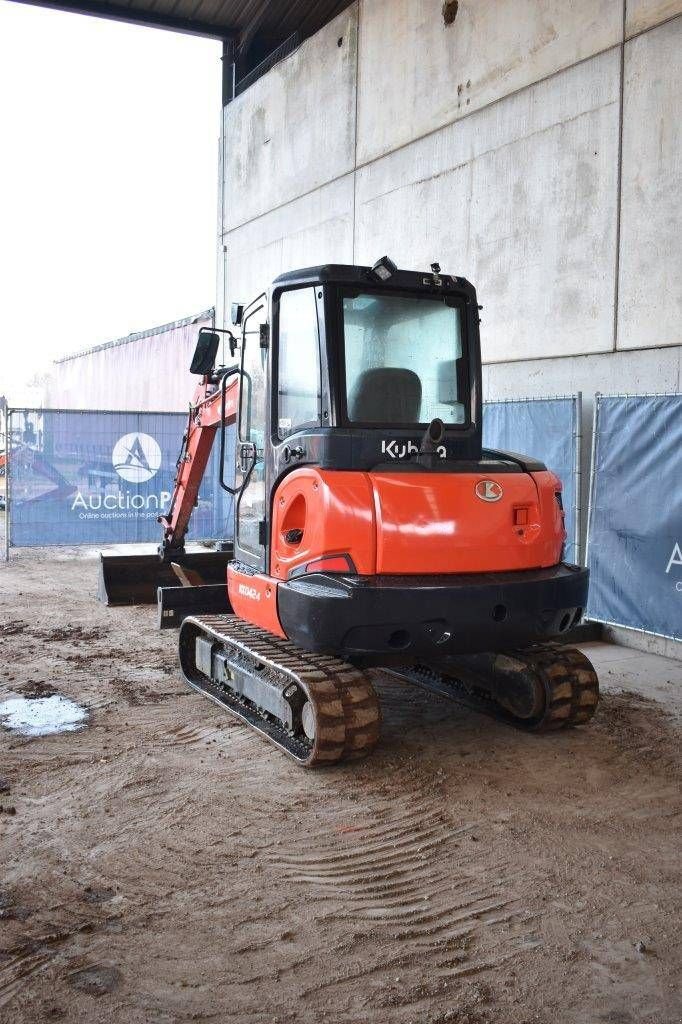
213 408
137 579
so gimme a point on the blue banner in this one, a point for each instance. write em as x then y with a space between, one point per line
545 428
104 478
635 526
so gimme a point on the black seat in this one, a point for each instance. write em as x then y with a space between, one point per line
386 394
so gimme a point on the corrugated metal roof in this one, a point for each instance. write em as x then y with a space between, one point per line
255 33
206 314
219 19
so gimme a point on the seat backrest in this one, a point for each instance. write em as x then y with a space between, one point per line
386 394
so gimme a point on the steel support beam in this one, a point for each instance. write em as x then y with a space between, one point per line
229 70
149 19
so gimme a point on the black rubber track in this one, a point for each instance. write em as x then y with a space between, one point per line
566 676
345 705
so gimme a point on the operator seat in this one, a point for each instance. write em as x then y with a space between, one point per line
386 394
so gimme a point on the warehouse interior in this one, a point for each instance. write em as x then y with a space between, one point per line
166 864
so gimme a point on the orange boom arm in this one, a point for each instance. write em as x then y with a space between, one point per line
214 404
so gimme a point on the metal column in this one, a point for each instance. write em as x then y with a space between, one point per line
6 415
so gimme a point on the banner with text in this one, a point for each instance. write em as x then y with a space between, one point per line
104 478
546 429
635 528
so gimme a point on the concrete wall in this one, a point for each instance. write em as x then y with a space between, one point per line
530 145
517 195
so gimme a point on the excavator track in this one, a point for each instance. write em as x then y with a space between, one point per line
540 689
317 709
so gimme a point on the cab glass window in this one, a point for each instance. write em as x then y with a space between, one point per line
298 375
403 359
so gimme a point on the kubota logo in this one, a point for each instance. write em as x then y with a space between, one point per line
249 592
401 450
488 490
136 457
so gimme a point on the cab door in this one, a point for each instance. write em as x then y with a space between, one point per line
250 519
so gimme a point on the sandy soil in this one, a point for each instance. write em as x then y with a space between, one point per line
164 864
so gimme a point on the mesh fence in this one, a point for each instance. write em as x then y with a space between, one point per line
635 523
86 477
547 429
104 478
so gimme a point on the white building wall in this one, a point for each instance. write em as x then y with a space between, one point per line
515 196
650 277
293 130
530 145
417 74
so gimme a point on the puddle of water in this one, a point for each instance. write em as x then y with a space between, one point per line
41 716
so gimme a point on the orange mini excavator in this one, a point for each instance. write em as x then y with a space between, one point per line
371 528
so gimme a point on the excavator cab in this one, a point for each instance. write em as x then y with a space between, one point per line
348 375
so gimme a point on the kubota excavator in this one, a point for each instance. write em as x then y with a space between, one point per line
371 528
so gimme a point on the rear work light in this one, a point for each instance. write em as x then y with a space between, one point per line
327 563
331 563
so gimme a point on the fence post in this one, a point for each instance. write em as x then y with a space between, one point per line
593 456
8 444
577 474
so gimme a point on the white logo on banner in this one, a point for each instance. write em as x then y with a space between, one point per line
136 457
675 558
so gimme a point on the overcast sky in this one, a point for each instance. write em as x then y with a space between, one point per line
108 183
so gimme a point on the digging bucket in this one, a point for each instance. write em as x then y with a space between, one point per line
135 579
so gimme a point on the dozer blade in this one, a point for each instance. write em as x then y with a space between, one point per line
135 579
176 603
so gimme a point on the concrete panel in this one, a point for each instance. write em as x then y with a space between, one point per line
294 129
643 14
318 228
417 74
521 199
650 291
611 373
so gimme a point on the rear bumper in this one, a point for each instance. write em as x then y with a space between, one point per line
431 616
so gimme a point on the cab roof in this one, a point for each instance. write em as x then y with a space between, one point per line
346 274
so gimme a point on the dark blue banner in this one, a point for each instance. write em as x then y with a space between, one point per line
547 429
104 478
635 525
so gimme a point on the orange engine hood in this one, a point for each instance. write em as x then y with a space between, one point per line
417 523
437 523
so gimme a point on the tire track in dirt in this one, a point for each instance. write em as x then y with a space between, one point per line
15 972
447 909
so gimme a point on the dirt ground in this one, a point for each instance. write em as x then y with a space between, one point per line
164 864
